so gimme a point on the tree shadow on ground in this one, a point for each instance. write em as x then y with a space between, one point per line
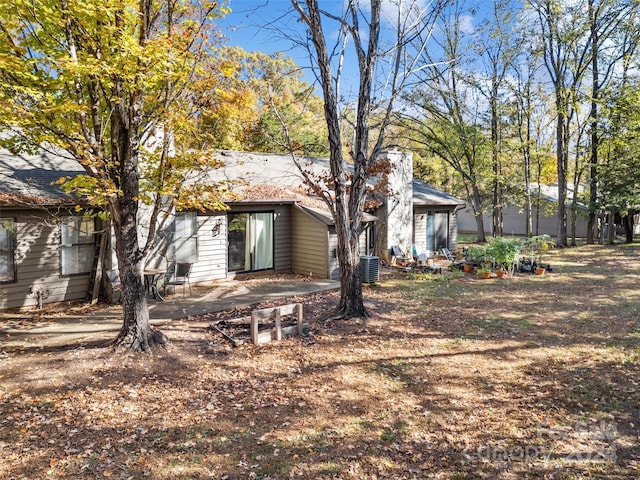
461 380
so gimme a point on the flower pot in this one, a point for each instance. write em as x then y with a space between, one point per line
486 275
500 273
540 271
468 268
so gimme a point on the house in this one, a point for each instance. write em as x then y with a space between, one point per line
544 217
44 242
415 213
48 250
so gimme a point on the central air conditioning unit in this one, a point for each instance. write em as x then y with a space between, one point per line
370 268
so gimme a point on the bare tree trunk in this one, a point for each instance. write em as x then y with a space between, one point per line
477 208
351 299
574 218
628 227
525 140
611 230
348 205
595 90
527 180
561 154
136 333
497 171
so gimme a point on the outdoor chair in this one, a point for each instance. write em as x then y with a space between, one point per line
398 255
423 257
448 255
179 277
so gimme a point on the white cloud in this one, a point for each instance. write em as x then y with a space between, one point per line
465 23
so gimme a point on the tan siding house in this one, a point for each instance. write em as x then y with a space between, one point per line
39 276
274 224
543 215
310 244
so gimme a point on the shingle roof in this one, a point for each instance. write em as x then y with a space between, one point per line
266 168
267 177
31 177
425 194
279 171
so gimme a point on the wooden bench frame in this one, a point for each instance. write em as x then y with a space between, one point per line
277 333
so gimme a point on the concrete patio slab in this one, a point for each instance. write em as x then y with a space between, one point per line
33 329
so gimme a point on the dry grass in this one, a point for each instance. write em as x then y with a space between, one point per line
453 377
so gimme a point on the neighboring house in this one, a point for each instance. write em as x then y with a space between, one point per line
544 218
435 217
46 247
48 250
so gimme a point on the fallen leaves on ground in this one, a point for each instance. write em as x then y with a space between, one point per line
452 377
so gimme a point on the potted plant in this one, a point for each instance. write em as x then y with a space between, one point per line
505 253
485 270
536 246
474 257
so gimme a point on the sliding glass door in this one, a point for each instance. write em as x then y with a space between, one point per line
437 230
250 241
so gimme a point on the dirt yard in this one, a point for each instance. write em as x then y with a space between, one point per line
452 377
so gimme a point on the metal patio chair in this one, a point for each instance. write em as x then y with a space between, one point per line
179 277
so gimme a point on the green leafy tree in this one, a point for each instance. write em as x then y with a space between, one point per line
443 117
255 97
614 40
497 45
99 80
619 171
565 40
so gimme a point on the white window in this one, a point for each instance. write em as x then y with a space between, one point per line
77 245
7 250
186 237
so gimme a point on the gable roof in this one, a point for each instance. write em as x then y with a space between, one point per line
425 195
267 177
278 174
549 192
30 177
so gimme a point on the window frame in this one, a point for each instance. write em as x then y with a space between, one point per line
186 229
249 241
85 241
10 249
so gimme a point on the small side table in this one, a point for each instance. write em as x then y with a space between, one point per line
151 277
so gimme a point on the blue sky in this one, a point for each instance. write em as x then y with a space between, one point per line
247 25
254 25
